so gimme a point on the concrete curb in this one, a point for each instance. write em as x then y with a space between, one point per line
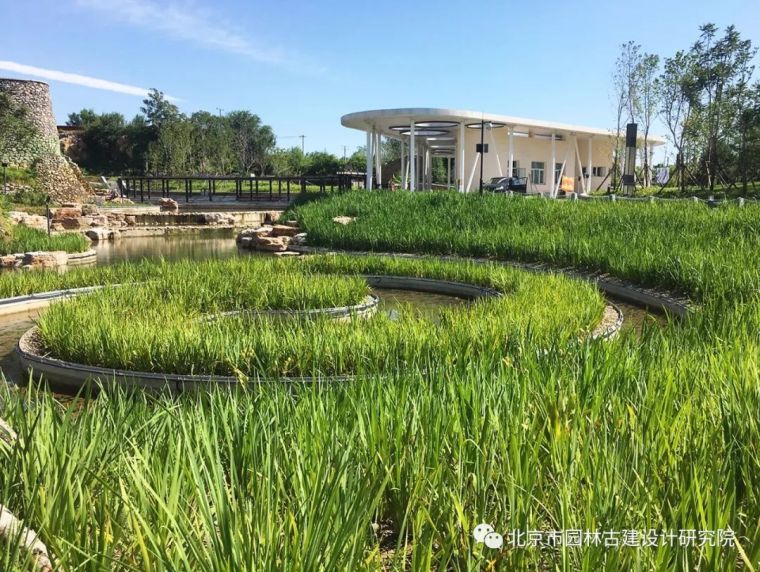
82 258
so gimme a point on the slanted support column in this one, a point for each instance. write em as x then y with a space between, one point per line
368 182
412 159
511 150
460 156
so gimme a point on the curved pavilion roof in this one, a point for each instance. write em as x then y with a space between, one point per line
389 122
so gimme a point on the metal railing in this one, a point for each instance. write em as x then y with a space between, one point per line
269 189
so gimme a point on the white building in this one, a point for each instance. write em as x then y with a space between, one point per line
531 147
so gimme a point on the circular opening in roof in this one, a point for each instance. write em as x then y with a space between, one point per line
493 124
436 124
424 132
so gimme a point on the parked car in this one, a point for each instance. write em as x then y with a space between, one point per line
504 184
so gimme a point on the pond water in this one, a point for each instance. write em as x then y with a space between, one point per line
208 244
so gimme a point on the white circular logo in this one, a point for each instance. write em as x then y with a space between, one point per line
481 531
494 540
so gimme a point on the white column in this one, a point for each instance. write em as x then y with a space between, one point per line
368 182
412 159
589 168
403 165
428 168
553 191
378 159
448 171
511 152
460 156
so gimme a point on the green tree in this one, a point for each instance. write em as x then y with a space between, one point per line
157 109
321 163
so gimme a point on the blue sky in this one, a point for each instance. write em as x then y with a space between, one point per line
301 64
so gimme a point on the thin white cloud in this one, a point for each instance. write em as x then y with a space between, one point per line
76 79
188 21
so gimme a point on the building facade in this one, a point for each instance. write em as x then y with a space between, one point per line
551 156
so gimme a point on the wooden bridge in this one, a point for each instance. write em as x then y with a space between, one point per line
211 187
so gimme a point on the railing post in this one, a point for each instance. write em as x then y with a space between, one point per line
142 194
250 188
288 186
270 189
279 188
303 184
213 190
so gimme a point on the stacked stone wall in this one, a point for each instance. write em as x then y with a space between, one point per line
55 174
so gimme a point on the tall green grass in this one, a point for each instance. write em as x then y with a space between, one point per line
20 238
681 246
117 328
652 431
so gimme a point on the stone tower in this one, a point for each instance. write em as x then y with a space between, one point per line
55 174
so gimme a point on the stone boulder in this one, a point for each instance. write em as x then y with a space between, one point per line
254 232
30 220
271 243
99 234
284 230
217 219
52 259
168 205
89 210
298 239
8 261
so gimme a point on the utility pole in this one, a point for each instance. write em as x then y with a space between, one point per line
303 148
219 109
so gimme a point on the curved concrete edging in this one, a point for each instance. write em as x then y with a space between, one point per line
73 376
363 309
646 297
81 258
27 302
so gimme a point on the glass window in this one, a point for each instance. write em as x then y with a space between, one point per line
537 172
557 171
599 171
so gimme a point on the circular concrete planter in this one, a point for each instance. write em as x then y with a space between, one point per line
431 286
82 258
73 376
364 309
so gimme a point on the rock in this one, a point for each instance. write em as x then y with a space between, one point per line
126 201
344 220
67 212
245 242
284 230
168 205
291 223
299 238
99 220
271 243
70 205
253 232
52 259
286 253
99 234
89 210
30 220
217 219
271 216
8 261
131 220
